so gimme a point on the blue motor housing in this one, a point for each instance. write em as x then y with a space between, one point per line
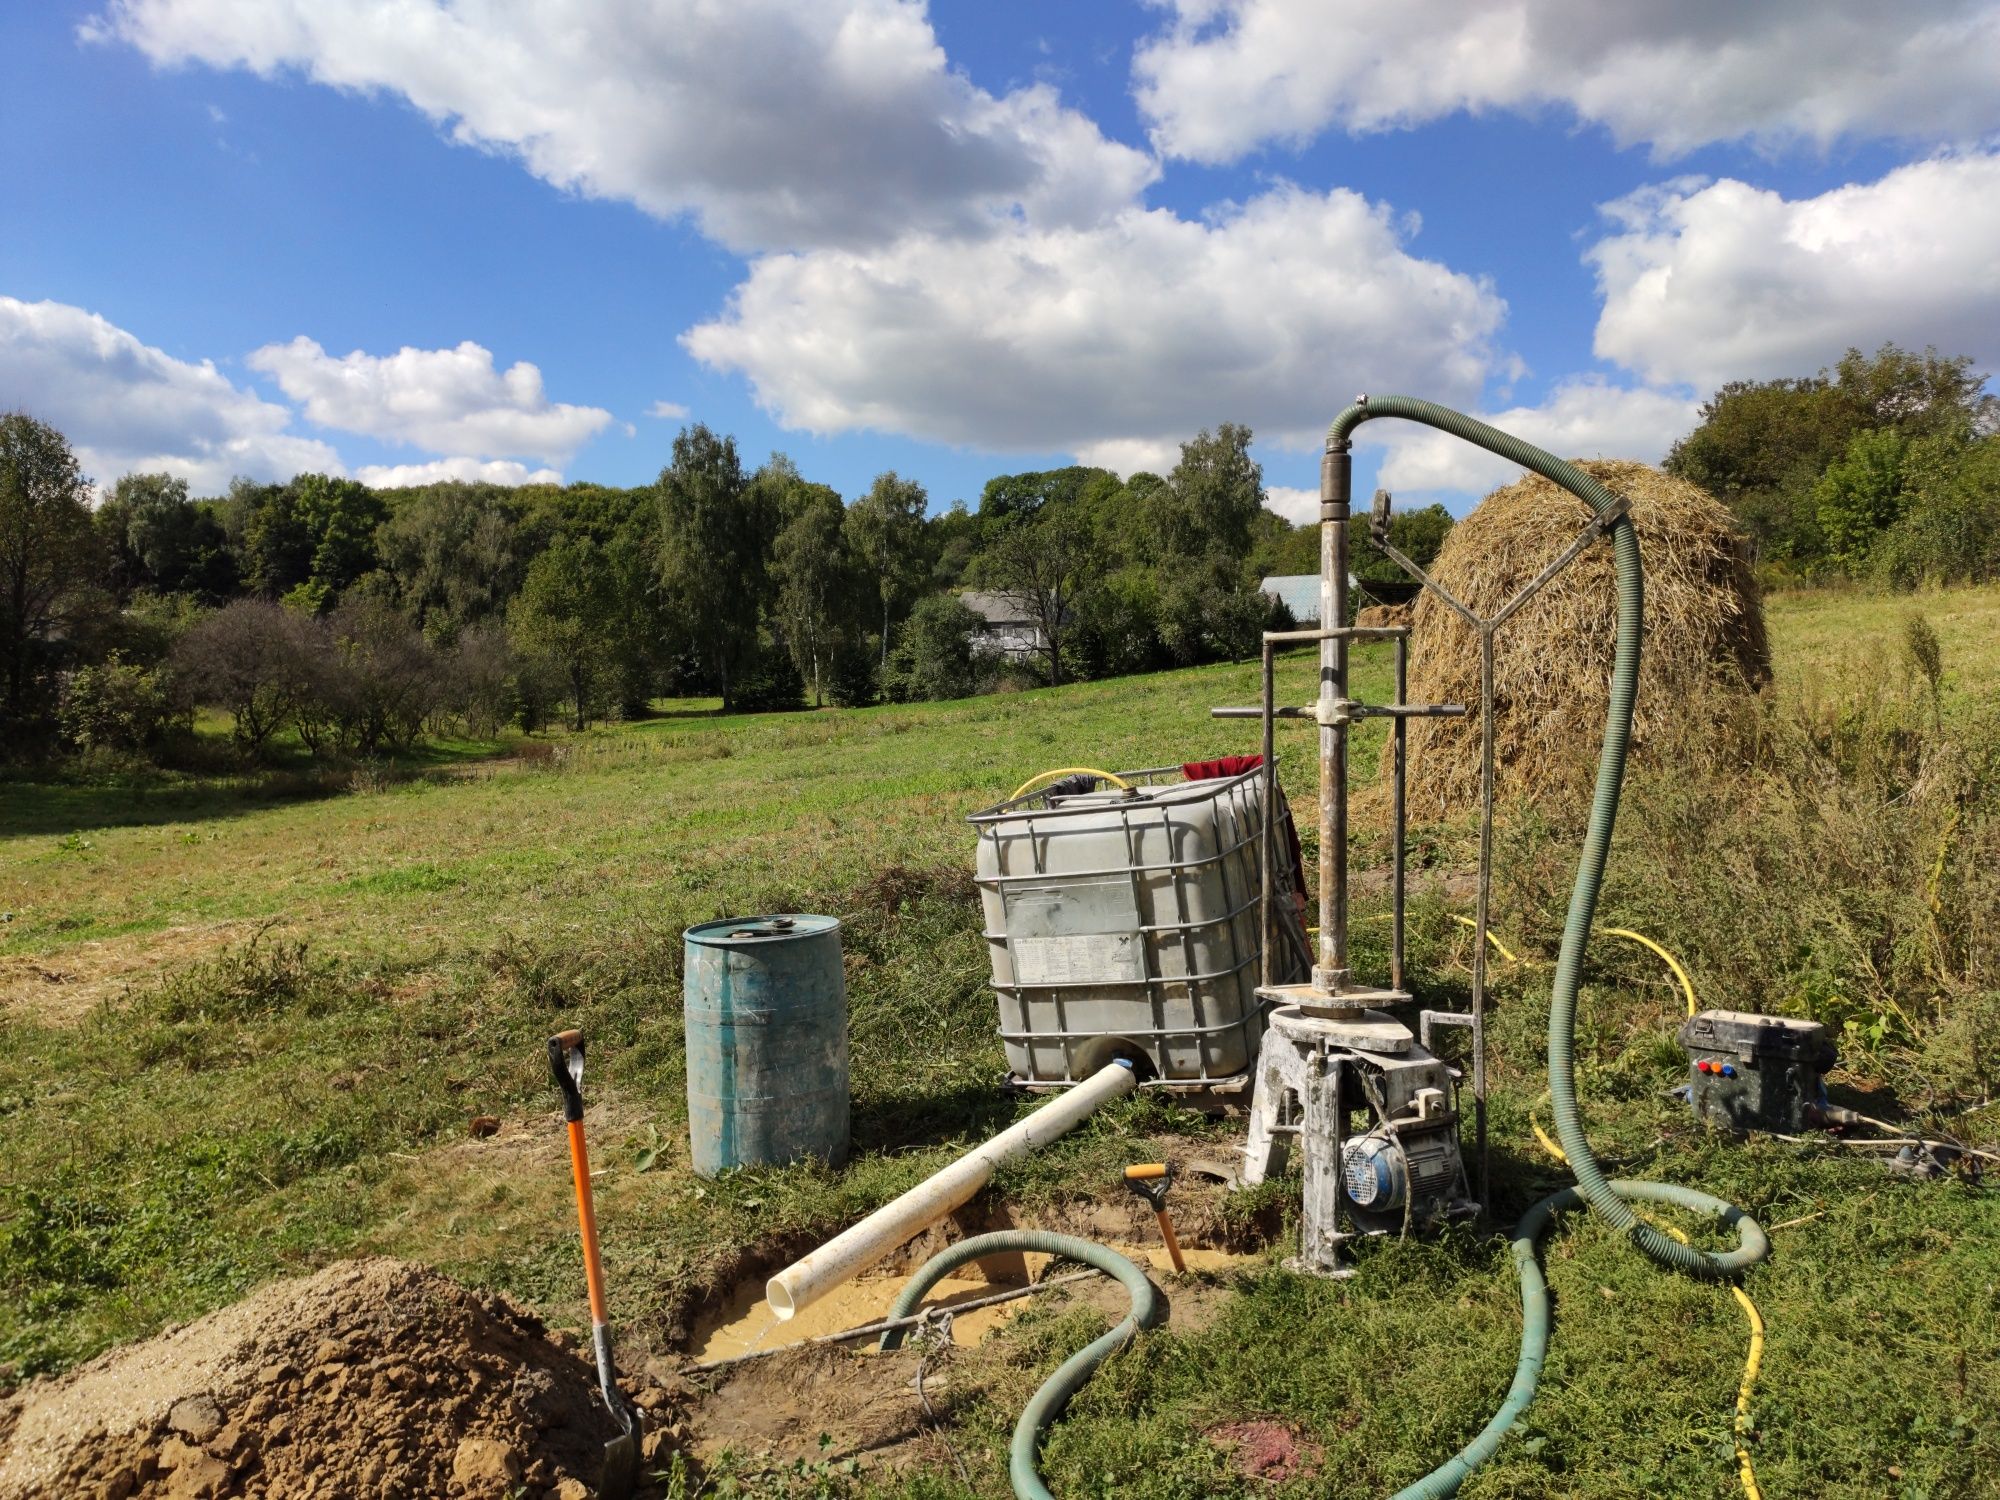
1375 1173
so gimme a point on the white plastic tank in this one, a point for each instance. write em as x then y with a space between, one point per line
1125 924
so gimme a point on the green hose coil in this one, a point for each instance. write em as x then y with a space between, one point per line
1606 1199
1070 1376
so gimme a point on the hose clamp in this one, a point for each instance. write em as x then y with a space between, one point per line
1619 508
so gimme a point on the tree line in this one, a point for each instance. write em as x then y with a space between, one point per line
355 621
1884 468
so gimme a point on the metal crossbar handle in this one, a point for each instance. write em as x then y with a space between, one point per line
1353 710
1339 633
1407 710
1303 711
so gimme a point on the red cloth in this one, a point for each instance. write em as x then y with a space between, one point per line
1236 765
1228 765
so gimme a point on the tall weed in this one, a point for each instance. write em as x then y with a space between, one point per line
1834 858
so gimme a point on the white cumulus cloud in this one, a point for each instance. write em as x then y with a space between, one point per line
127 407
1225 76
1115 342
445 400
668 411
1295 505
1722 281
794 123
469 470
1585 417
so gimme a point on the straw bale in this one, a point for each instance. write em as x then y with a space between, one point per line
1704 630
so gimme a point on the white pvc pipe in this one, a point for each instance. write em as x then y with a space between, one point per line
854 1250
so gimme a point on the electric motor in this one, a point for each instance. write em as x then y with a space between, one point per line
1376 1176
1409 1161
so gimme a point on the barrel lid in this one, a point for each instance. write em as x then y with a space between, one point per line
776 927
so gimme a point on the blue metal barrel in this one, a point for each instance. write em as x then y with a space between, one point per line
766 1016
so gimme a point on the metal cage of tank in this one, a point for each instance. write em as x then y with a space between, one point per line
1125 923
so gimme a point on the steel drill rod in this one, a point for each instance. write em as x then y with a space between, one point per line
1267 834
1484 914
1336 486
1340 632
1352 709
1396 815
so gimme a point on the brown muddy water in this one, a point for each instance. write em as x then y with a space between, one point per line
743 1323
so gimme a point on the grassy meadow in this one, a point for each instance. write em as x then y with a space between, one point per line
243 1023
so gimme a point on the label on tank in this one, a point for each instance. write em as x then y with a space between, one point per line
1079 958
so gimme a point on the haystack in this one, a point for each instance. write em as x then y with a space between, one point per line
1552 660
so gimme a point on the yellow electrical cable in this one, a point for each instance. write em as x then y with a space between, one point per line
1680 974
1751 1363
1117 781
1747 1474
1500 946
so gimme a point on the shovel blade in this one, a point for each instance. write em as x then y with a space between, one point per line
621 1467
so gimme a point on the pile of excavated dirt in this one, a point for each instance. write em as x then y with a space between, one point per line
373 1377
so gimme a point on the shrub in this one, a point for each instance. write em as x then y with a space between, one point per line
769 682
934 659
1951 532
477 681
1119 629
254 659
117 705
854 681
372 682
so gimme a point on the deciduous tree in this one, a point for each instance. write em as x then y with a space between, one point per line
567 614
47 547
886 529
1046 565
713 541
814 573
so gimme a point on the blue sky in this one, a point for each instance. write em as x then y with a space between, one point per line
404 238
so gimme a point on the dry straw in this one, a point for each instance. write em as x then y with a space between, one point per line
1552 660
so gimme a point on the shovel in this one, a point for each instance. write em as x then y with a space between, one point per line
621 1454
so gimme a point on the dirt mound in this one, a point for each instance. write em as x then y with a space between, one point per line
373 1377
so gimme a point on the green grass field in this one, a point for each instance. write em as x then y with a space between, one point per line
245 1022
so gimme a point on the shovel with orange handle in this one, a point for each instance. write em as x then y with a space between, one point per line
1150 1180
621 1454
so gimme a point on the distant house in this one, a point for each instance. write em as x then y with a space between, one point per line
1004 625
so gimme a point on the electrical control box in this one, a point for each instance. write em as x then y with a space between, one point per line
1751 1072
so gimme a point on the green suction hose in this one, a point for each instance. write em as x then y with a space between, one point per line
1071 1375
1447 1477
1606 1199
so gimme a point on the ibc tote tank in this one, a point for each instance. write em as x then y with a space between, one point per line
1125 924
766 1013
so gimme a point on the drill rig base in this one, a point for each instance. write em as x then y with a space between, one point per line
1378 1128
